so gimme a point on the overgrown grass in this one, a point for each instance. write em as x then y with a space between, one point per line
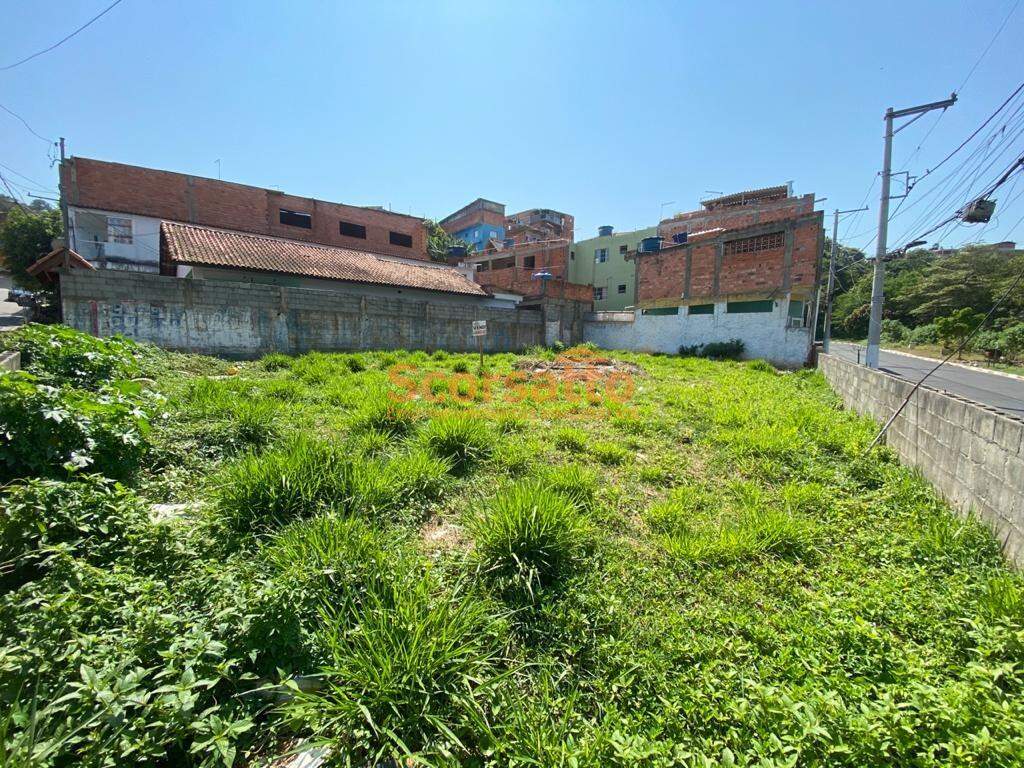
460 439
705 574
527 539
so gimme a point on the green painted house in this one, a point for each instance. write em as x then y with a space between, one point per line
601 263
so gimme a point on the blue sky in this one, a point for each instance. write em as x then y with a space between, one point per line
603 110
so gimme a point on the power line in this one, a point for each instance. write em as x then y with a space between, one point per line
946 359
65 39
14 196
25 123
989 46
26 178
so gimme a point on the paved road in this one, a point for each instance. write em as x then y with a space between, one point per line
1003 393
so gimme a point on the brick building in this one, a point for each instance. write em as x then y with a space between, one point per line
743 266
756 245
115 211
538 224
477 223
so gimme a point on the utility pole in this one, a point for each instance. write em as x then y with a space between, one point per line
64 209
878 283
826 331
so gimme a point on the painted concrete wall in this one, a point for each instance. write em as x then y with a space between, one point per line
249 320
972 455
615 272
764 334
143 251
479 234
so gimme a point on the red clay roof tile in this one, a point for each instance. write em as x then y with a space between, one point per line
205 246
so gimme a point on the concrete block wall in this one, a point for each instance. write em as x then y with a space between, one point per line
249 320
973 456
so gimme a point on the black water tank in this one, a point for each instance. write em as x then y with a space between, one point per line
605 231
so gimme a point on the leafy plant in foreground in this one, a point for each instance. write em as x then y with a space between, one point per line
60 355
91 518
51 432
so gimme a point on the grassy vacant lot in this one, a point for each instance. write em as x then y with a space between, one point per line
688 565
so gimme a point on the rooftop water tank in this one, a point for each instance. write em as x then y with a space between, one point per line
605 231
650 244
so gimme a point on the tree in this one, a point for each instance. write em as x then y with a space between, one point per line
439 242
26 235
954 329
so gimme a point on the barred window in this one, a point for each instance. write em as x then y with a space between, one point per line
756 243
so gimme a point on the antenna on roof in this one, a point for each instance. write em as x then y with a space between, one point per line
217 161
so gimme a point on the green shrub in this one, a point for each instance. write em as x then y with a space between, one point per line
51 432
609 454
410 480
460 366
328 559
275 361
761 365
1002 599
409 672
91 518
461 439
923 334
571 439
576 483
723 350
715 350
382 414
60 355
747 534
285 390
298 480
894 332
527 539
355 363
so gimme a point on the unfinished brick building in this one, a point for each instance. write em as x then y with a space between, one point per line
115 212
744 266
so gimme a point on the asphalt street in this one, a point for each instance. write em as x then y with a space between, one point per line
1004 393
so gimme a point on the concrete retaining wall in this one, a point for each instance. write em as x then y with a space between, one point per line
764 334
971 454
249 320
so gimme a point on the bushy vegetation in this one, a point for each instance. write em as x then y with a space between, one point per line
64 357
714 350
54 432
527 538
299 550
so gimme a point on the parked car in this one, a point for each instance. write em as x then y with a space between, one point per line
23 297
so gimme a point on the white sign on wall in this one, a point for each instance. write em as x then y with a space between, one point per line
479 327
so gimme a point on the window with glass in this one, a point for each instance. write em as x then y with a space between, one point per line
747 307
600 255
119 230
599 294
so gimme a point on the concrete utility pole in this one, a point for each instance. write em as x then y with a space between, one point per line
64 209
826 331
877 285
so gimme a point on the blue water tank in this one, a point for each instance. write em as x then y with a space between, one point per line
650 244
605 231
